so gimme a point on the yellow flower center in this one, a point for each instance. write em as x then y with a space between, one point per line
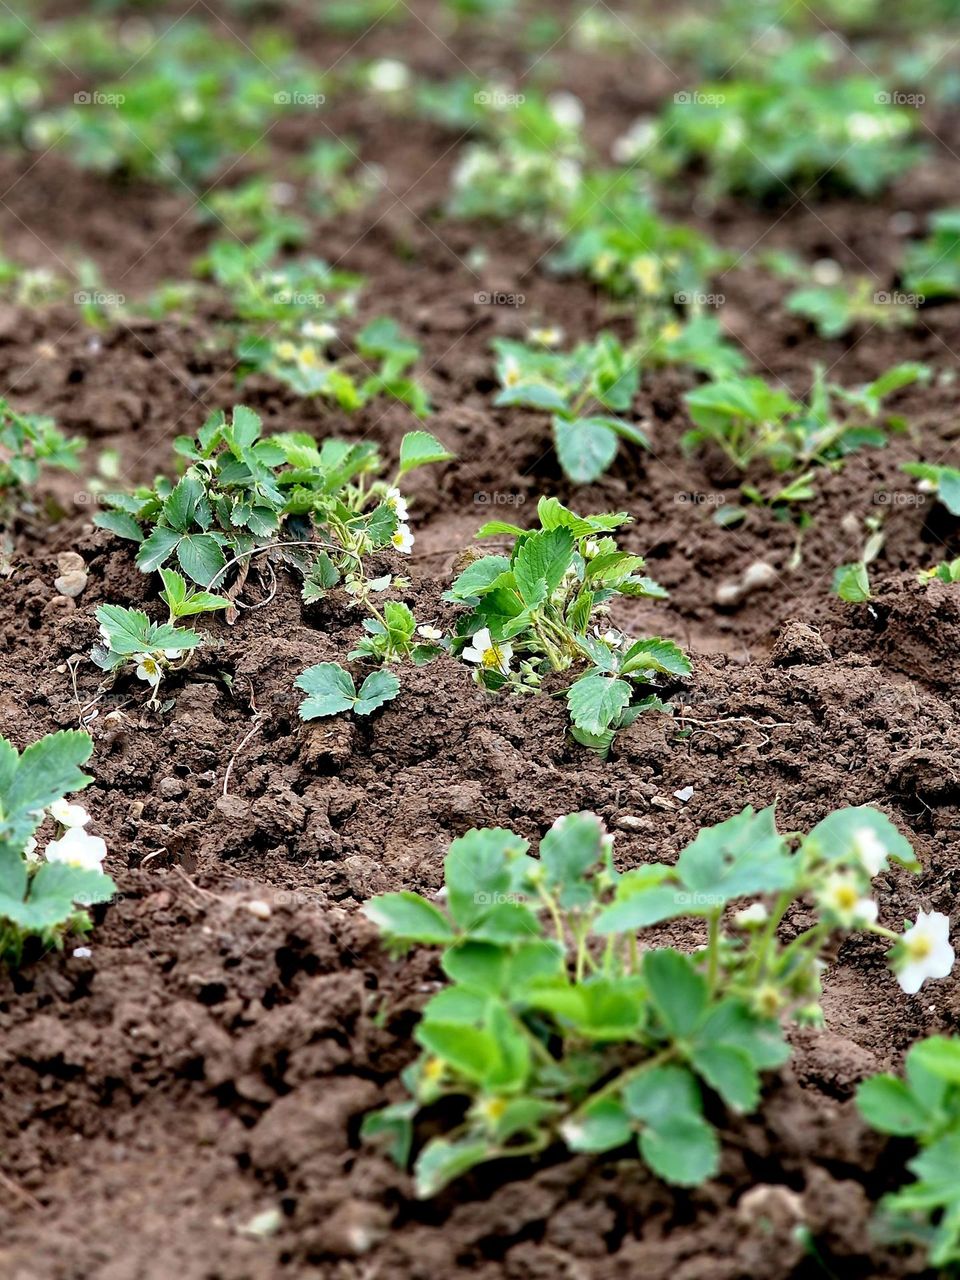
920 947
491 657
845 897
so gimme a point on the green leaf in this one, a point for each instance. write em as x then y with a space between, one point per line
839 837
890 1106
480 965
118 522
601 1126
477 577
45 771
330 689
378 688
533 395
441 1162
851 582
472 1051
418 449
573 845
729 1071
662 1091
586 448
201 558
394 1124
180 507
407 917
478 873
682 1150
677 990
595 701
742 856
938 1056
129 629
656 654
156 548
541 561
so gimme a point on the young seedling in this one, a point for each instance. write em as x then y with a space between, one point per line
835 310
543 608
330 690
130 639
749 420
559 1025
851 582
924 1106
45 897
586 390
29 443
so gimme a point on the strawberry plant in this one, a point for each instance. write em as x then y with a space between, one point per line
128 639
586 390
924 1106
300 304
750 420
539 610
193 101
558 1024
28 444
782 134
45 896
835 310
284 495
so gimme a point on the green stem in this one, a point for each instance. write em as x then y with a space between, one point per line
618 1082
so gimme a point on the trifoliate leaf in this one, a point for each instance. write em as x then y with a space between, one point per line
378 688
330 689
600 1126
595 701
201 558
678 991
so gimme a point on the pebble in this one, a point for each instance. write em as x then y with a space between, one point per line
263 1224
71 562
171 788
684 794
630 822
259 909
758 576
71 584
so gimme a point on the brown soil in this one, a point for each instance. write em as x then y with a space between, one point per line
204 1065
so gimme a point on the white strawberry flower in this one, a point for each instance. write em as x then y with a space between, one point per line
924 952
30 851
69 815
105 636
170 654
842 897
430 633
489 654
402 539
77 848
397 504
148 668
